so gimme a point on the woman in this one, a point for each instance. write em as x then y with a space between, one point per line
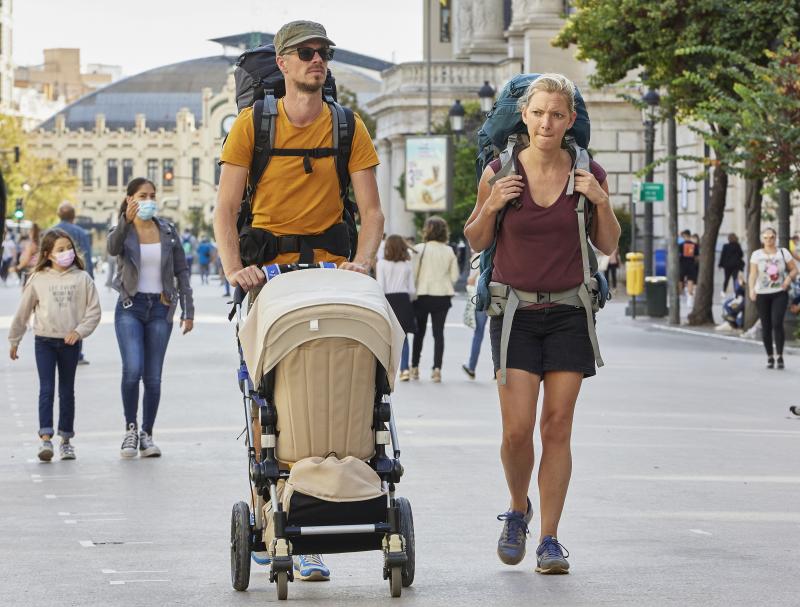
772 271
731 260
435 273
395 275
150 261
549 344
29 255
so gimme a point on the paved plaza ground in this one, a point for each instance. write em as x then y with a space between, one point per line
685 490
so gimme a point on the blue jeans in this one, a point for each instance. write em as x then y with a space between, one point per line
142 335
477 339
404 355
52 352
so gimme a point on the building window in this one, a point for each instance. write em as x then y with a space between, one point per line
217 170
113 173
195 171
87 171
168 172
127 170
152 170
444 20
72 166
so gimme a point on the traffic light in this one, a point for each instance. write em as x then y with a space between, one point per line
19 211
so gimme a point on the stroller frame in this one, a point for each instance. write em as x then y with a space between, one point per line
395 536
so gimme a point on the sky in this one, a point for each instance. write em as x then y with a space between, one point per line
143 34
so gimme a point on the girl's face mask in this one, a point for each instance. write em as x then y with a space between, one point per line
147 209
64 259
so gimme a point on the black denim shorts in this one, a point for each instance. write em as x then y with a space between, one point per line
549 339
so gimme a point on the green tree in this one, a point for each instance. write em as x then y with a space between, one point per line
41 183
348 99
624 35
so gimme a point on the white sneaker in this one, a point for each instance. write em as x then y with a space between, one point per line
147 448
130 444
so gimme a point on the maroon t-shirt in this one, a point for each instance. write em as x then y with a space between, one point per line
538 248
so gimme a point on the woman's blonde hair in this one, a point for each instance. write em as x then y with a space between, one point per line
550 83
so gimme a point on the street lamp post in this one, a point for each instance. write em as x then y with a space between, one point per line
652 99
456 117
486 96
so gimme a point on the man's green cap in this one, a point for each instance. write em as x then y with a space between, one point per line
296 32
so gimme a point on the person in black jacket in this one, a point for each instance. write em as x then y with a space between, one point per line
731 260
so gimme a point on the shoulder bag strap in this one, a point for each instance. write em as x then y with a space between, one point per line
419 265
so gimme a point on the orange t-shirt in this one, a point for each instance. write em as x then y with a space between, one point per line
287 199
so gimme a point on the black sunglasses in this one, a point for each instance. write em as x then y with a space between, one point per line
306 53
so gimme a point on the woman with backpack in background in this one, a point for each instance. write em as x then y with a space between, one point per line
29 255
395 275
152 277
772 271
539 254
435 273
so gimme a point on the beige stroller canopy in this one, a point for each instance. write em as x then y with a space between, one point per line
297 307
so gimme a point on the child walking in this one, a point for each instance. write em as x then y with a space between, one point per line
67 309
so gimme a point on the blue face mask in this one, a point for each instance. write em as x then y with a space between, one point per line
147 209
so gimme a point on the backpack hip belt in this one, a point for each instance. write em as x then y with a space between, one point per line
258 246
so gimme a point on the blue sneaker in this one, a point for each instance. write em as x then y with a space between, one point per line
260 558
550 557
511 545
310 568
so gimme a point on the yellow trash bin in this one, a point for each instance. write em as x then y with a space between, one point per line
634 274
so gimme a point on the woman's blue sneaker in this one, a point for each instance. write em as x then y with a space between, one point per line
260 558
550 557
511 545
310 568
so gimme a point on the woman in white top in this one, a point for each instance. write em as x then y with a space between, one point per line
395 276
772 271
150 263
435 273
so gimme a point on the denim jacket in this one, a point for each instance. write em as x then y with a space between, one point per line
123 241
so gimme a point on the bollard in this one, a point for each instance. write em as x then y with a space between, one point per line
634 278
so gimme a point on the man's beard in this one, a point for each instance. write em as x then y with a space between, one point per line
305 87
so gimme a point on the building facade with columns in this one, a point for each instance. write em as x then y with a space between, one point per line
472 41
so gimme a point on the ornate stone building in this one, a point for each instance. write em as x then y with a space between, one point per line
472 41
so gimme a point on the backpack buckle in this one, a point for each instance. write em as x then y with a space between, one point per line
288 244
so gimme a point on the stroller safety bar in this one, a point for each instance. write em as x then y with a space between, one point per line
338 529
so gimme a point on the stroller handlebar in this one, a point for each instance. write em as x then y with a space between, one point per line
270 271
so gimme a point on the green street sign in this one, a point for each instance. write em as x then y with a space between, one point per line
651 192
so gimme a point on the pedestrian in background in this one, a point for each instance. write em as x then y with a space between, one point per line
689 255
29 254
83 240
479 320
205 252
611 270
67 309
435 273
189 244
731 260
152 278
394 274
9 257
772 271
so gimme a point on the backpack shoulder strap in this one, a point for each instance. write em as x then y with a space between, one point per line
344 126
265 111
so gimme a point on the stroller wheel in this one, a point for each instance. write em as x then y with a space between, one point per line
282 582
240 546
396 581
407 531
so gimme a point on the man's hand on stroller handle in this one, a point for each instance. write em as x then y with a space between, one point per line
247 278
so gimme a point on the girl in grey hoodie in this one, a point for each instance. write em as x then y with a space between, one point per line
67 309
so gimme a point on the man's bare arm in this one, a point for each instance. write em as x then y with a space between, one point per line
365 187
232 182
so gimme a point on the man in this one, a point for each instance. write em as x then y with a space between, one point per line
83 240
205 251
689 258
189 244
288 199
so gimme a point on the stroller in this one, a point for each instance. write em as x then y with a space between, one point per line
318 355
